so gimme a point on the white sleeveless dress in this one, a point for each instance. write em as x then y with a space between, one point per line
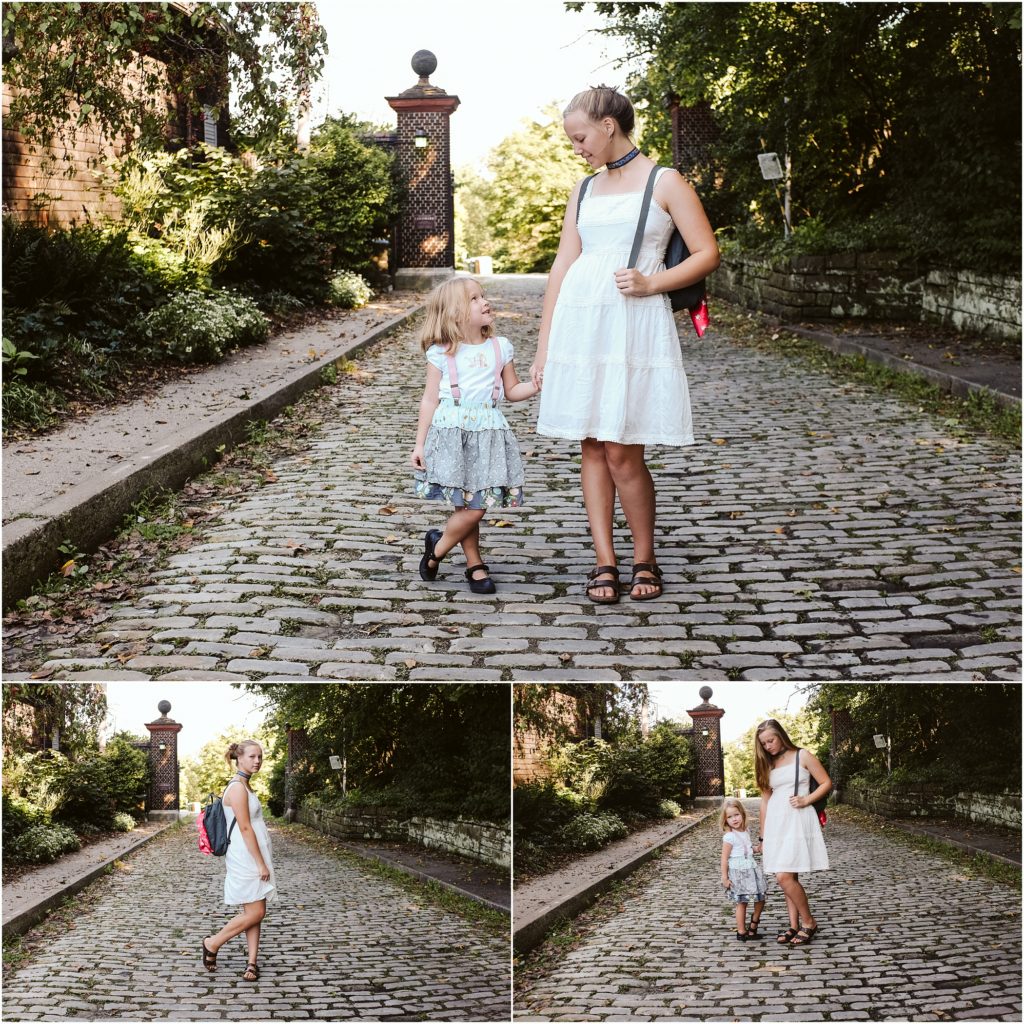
792 835
614 370
242 883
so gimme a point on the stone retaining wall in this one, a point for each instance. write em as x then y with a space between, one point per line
1003 809
872 285
482 841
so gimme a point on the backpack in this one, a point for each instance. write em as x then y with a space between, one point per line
212 823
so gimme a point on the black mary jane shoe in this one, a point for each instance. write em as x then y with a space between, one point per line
430 540
484 586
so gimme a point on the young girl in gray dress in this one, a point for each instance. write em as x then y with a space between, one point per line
465 452
742 876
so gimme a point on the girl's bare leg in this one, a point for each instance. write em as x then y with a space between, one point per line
459 526
635 488
599 498
251 915
471 549
252 940
796 898
741 918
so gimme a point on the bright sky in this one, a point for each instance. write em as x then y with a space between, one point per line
744 704
504 61
205 710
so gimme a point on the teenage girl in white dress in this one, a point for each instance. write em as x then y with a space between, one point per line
791 838
608 360
249 880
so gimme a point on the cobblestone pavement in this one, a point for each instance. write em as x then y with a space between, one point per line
340 943
904 935
817 530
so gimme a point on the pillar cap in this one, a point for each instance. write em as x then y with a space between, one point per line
424 63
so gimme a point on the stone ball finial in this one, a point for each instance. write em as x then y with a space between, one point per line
424 63
163 707
705 693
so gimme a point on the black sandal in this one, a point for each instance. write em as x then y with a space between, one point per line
752 927
804 936
484 586
785 937
653 580
595 584
744 936
430 540
209 958
253 970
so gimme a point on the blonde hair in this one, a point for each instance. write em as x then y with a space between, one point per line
728 802
447 313
762 761
603 101
239 748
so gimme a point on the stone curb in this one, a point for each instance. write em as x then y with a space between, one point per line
89 516
531 932
945 381
20 923
966 847
420 876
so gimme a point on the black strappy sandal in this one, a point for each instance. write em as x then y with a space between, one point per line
253 970
804 936
652 580
430 540
595 584
786 937
752 927
484 586
209 958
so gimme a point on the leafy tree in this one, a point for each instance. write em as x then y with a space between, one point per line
618 705
893 114
61 57
474 235
534 172
423 747
66 717
968 735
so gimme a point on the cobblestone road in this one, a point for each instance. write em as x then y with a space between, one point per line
818 530
904 935
340 943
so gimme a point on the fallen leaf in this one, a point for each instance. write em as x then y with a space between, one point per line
718 440
565 657
387 510
501 523
390 539
410 663
68 568
43 673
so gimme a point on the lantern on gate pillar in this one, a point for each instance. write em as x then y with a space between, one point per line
425 249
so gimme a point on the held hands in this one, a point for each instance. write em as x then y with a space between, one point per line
758 847
537 374
632 282
416 458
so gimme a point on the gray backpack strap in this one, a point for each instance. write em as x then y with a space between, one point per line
583 191
796 774
642 222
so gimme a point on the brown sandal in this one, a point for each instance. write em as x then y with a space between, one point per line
253 970
595 584
209 958
652 580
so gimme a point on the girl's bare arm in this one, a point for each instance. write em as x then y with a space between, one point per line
818 775
515 389
726 849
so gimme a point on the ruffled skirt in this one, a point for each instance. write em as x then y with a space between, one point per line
748 881
472 459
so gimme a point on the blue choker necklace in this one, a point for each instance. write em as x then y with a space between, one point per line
245 775
623 160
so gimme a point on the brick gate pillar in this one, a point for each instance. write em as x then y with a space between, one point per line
839 744
425 247
163 800
296 748
709 771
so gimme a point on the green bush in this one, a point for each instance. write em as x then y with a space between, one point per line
669 809
542 809
19 816
591 831
349 290
123 822
199 326
128 773
42 844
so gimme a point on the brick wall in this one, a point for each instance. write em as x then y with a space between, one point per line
872 285
482 841
426 237
1003 809
530 749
